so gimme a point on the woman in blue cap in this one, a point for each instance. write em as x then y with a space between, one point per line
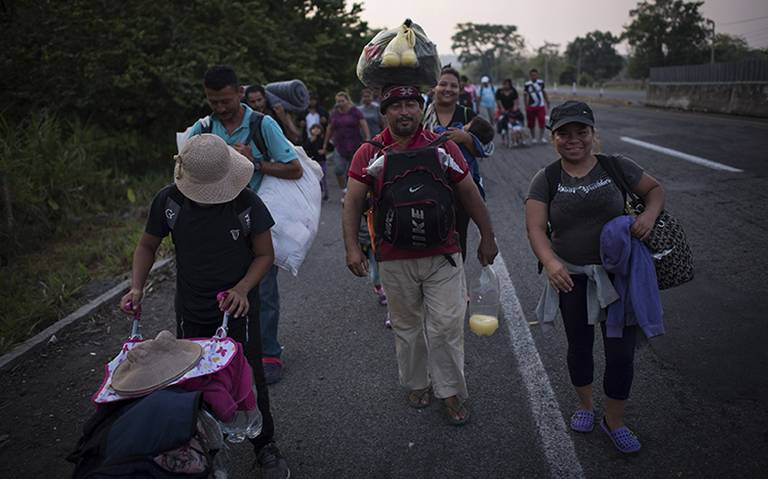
576 196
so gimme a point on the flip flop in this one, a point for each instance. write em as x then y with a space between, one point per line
452 412
419 398
624 439
583 420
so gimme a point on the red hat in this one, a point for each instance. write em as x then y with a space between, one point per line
395 93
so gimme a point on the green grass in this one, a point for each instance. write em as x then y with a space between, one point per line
39 288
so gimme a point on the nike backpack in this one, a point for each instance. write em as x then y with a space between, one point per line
414 209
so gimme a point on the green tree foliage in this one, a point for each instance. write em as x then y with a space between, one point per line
595 55
138 65
486 45
733 49
91 92
665 32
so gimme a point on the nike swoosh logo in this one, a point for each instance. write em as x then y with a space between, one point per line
414 189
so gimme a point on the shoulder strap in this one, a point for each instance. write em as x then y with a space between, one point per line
206 125
173 203
465 115
378 145
255 134
553 174
610 166
243 210
439 141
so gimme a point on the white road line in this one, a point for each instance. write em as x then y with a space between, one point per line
555 440
683 156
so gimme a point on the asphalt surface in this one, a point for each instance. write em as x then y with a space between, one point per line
698 400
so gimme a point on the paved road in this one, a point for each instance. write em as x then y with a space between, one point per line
698 401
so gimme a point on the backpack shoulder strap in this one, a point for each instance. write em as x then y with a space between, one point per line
173 203
206 125
439 141
243 211
255 134
376 144
553 174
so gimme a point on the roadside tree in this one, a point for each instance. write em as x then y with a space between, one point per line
594 56
665 32
486 45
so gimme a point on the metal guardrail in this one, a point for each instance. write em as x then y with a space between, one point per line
744 72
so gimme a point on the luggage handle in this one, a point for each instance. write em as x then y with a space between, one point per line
221 332
135 324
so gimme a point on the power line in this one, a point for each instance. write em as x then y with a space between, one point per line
745 20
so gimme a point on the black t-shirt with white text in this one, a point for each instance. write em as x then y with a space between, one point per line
212 252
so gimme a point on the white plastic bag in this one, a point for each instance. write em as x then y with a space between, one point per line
295 207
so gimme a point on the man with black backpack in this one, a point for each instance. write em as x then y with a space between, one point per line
415 177
259 138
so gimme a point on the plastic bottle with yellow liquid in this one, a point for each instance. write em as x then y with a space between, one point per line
484 303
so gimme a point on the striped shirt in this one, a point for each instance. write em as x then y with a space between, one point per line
535 91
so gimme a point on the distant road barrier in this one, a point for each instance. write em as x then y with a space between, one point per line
735 88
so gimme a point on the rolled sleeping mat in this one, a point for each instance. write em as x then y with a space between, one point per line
292 94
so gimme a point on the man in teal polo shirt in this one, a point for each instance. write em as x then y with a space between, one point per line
230 120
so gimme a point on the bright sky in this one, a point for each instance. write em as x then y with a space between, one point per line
557 21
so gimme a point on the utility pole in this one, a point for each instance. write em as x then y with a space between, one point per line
712 42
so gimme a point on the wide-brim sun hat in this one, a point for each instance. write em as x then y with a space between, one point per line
154 364
209 171
571 112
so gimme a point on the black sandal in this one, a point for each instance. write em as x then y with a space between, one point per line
420 398
453 413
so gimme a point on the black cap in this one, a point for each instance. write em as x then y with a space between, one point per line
571 112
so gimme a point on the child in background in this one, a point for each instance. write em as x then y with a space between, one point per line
313 145
518 134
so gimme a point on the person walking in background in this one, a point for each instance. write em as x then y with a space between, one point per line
577 196
370 111
536 104
467 93
445 115
347 129
209 189
486 100
256 98
507 102
425 287
313 145
315 115
231 120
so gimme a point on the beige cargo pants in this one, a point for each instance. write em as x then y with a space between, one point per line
427 303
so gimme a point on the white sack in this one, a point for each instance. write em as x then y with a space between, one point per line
295 207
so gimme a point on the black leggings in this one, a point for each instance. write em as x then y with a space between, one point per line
619 352
246 331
